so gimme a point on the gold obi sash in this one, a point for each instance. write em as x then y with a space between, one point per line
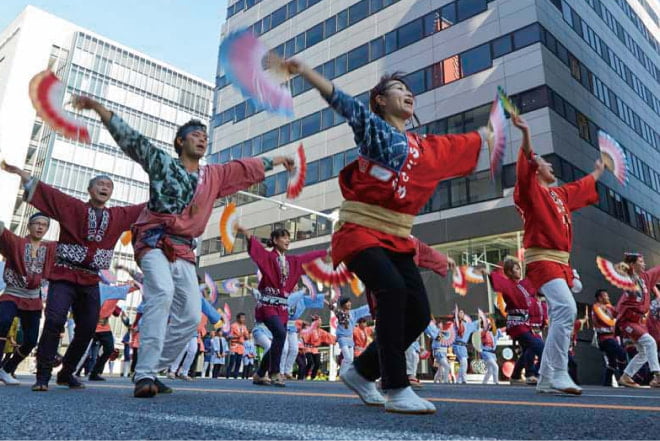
376 217
539 254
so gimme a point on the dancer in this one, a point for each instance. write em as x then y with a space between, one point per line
238 334
103 334
181 197
548 237
519 296
362 336
489 337
603 320
281 273
346 320
395 175
249 354
29 262
440 349
632 308
296 310
313 337
653 319
220 348
85 246
464 329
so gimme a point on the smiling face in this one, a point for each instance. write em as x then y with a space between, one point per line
639 266
396 100
282 242
545 173
100 191
38 228
515 272
194 145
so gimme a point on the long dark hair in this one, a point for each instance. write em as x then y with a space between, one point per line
276 234
381 88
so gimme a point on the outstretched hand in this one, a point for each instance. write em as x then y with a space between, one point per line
80 102
599 168
287 161
520 123
25 176
451 264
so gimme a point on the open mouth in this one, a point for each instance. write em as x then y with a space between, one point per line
103 194
409 101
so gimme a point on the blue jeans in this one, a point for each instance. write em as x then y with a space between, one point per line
234 366
532 347
616 360
30 325
272 358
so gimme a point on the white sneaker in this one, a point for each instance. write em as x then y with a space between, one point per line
6 378
543 385
171 375
562 382
405 400
365 389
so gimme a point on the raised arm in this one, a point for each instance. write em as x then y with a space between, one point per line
131 142
358 313
8 242
602 316
430 258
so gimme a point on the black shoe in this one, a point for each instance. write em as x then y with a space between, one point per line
40 387
68 379
162 387
145 388
96 377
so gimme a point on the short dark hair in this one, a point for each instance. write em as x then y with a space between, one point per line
276 234
239 315
381 88
180 130
344 300
599 291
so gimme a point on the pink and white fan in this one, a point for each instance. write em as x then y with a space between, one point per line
323 272
497 137
297 176
459 282
242 57
472 276
614 276
613 156
47 95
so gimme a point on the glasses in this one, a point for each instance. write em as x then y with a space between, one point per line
39 224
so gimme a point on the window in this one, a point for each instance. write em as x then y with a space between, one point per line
526 36
327 118
358 57
468 8
502 46
459 194
583 126
325 168
411 32
269 141
278 17
314 35
448 14
342 20
330 26
340 65
416 82
358 11
436 76
455 124
476 118
312 173
390 42
451 69
311 124
476 60
376 48
376 5
337 163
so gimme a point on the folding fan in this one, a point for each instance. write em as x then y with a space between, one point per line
447 336
459 283
472 276
231 286
357 287
311 287
613 157
227 325
485 323
126 238
298 175
47 95
228 225
497 137
213 288
507 103
242 58
616 278
323 272
107 277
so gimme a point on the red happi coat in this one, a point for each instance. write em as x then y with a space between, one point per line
430 258
239 333
431 159
215 181
22 270
86 244
314 336
108 308
273 283
546 214
633 306
518 297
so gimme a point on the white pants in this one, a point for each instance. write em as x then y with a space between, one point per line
647 351
289 353
492 370
412 361
562 312
347 348
262 340
172 307
209 366
442 374
125 367
189 352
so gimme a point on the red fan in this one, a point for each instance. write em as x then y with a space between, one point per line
321 271
357 286
485 323
472 276
497 137
333 321
47 95
298 175
226 327
616 278
424 355
507 368
126 238
447 336
459 282
228 224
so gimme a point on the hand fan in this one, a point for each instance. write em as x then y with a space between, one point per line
613 157
298 175
497 137
228 225
613 276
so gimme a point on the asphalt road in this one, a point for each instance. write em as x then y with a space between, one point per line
235 409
